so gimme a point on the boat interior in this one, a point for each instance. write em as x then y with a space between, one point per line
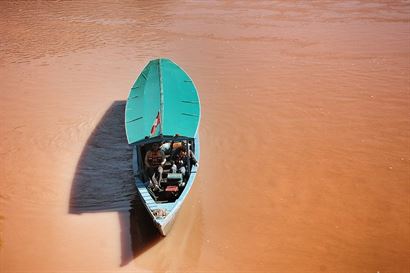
169 185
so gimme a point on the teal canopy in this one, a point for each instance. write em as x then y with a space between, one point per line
164 95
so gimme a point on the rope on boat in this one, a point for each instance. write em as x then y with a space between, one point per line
159 213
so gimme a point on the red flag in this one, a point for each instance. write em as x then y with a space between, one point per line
157 121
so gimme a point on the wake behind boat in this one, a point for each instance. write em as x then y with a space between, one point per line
161 120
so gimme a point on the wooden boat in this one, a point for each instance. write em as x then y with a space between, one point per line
163 107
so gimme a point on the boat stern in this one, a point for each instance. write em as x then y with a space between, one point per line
164 224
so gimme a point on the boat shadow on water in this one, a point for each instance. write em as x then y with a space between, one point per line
103 182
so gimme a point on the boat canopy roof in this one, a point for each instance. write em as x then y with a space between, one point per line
162 101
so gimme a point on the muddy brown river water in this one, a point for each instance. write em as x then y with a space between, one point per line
305 136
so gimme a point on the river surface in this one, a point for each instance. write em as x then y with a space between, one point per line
305 136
